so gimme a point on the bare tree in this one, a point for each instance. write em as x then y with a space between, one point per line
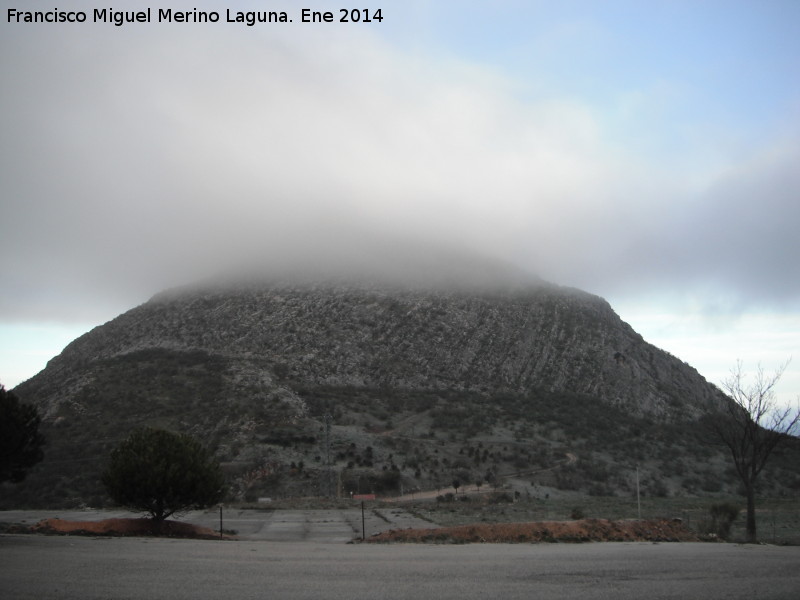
752 426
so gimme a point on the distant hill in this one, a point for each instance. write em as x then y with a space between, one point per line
494 383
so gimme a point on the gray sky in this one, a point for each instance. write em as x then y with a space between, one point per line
649 156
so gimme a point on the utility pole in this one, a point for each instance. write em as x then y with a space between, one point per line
328 485
638 501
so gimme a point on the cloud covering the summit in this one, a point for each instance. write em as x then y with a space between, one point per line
646 154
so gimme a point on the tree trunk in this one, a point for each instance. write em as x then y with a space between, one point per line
751 514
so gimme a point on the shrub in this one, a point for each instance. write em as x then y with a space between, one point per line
502 498
721 518
710 483
577 513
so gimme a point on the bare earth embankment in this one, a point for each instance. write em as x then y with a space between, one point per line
584 530
118 527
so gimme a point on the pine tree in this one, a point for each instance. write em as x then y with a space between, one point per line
160 472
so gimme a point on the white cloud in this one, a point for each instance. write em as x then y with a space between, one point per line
713 343
166 159
175 152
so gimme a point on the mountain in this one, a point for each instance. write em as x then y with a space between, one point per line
396 386
350 335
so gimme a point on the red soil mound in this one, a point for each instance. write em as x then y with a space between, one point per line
132 527
587 530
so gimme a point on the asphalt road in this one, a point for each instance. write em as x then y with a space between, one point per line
59 567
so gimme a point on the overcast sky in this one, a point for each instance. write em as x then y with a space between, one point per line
647 152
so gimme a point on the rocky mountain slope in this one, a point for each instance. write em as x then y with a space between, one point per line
542 337
416 380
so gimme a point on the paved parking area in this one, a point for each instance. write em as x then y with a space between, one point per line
325 526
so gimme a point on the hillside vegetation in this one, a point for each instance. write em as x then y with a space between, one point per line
337 389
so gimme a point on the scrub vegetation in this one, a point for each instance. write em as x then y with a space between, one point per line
540 395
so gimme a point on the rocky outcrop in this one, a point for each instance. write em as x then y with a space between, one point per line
272 337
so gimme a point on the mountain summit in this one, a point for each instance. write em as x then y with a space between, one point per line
274 337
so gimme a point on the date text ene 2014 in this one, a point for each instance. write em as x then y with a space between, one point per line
345 15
